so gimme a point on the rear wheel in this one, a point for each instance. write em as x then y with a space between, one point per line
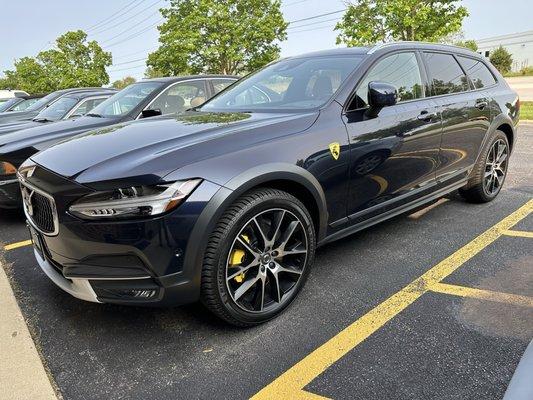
490 171
258 257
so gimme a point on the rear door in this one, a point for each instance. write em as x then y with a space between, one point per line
465 115
394 155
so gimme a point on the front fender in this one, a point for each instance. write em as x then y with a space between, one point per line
233 189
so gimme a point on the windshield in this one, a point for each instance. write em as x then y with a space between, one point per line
6 105
58 109
42 102
125 100
287 85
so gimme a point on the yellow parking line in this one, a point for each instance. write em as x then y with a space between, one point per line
518 233
13 246
290 384
481 294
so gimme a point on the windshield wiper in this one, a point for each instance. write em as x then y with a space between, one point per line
42 120
94 115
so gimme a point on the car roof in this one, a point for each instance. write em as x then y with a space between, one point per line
363 50
172 79
90 93
85 89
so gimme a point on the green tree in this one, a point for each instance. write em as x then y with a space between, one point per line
469 44
502 60
218 36
73 62
122 83
367 22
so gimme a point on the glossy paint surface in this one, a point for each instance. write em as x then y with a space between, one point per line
356 166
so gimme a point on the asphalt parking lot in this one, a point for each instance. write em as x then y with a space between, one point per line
436 304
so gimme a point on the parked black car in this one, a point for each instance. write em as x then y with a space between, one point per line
72 105
20 103
148 98
228 203
39 105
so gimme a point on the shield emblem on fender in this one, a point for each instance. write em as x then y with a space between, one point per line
335 150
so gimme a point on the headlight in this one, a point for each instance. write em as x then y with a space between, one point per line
137 201
7 169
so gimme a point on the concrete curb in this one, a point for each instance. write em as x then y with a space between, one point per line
22 374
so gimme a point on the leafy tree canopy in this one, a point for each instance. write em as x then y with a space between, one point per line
368 22
73 63
469 44
218 36
502 60
122 83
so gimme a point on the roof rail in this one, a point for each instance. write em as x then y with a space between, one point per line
406 42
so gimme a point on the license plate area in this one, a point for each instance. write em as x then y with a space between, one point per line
36 240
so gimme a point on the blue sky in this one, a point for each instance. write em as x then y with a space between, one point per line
29 26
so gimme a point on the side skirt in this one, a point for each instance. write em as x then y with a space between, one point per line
392 213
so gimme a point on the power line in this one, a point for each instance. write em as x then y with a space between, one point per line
129 62
313 23
105 20
313 29
125 31
134 35
317 16
128 68
129 19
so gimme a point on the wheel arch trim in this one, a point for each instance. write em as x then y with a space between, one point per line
229 192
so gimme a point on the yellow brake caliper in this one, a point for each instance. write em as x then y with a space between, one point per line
237 258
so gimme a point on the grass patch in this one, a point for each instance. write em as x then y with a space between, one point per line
526 110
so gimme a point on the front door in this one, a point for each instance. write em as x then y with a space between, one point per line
392 156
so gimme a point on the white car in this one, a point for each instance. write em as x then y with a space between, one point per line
5 95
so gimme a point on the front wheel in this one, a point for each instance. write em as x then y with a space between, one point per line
490 171
258 257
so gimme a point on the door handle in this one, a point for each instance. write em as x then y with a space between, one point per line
481 104
426 116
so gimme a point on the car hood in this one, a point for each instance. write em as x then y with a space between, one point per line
11 116
18 125
147 150
42 135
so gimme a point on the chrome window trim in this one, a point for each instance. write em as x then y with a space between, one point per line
55 218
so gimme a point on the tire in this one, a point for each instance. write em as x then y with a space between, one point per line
237 244
479 188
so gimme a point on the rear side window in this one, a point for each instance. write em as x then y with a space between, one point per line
445 74
400 70
478 72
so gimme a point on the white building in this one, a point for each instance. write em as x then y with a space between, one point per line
520 45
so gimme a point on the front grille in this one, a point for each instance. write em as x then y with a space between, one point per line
40 209
43 215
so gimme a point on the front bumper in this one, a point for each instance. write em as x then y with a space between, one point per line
79 288
141 262
10 194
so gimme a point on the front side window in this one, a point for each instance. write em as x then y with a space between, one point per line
179 97
126 100
478 72
445 74
296 84
87 106
220 84
400 70
58 109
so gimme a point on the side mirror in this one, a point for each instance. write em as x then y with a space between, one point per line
151 113
380 94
